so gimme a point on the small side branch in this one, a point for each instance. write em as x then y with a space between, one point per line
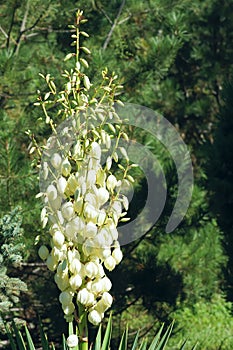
113 26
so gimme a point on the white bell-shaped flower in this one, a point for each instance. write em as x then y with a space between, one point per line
111 182
91 269
75 266
94 317
58 239
75 281
51 192
110 263
90 212
90 230
67 210
61 185
106 284
85 297
102 195
72 341
56 160
117 255
95 151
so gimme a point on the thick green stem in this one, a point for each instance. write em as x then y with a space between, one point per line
82 327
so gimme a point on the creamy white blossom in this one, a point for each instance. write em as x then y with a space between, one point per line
94 317
83 204
72 341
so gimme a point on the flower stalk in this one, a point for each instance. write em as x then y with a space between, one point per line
84 197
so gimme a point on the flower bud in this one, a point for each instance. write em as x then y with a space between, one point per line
90 230
106 253
56 203
51 192
108 141
86 298
107 299
101 217
67 210
111 182
58 239
78 204
72 185
72 341
91 269
68 309
95 150
94 317
75 282
102 195
51 263
43 252
100 177
61 185
117 255
66 167
108 163
62 281
96 287
106 284
56 160
90 178
110 263
75 266
65 298
90 212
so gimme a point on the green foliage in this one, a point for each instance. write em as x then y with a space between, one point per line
207 323
101 342
11 254
220 172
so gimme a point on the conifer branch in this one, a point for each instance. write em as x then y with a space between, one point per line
113 26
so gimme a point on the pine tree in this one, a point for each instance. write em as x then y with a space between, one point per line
220 172
11 255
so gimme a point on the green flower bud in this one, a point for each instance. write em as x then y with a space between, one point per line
43 252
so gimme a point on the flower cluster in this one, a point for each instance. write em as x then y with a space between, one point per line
84 176
84 204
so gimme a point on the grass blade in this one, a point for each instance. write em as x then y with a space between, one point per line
19 339
10 337
29 339
166 336
143 345
107 335
135 343
97 345
156 339
43 337
64 347
124 339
